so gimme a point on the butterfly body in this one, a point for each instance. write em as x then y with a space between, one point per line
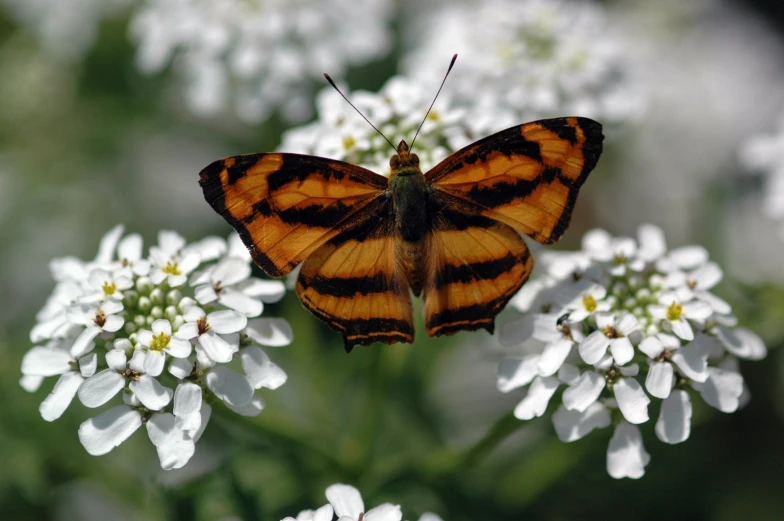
367 242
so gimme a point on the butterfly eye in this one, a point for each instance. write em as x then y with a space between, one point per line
414 159
394 161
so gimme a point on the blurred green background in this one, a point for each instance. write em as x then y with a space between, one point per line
88 143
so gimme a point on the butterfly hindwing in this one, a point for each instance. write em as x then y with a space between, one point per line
526 176
354 284
285 206
476 265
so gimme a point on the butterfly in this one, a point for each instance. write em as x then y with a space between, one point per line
366 242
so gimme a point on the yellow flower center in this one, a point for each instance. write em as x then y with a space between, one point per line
619 259
171 268
349 142
434 116
109 288
159 341
590 303
675 311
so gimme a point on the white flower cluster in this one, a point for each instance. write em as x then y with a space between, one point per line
397 111
617 324
765 154
159 331
346 503
532 59
258 55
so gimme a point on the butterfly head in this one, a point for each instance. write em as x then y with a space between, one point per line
404 162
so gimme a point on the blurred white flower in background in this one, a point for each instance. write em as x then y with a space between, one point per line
111 329
256 56
532 59
764 154
249 57
619 323
65 27
345 503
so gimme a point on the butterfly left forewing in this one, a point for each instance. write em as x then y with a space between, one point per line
476 265
354 284
526 176
285 206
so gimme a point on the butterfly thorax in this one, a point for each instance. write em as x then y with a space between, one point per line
409 196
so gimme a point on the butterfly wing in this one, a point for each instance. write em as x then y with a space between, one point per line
526 176
476 265
285 206
354 284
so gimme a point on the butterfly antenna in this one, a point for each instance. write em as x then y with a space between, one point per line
358 112
451 64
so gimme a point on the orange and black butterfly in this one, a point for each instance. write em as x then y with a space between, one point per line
451 235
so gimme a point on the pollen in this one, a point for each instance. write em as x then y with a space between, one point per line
611 332
109 288
204 326
619 259
675 311
159 342
590 303
100 318
171 268
349 142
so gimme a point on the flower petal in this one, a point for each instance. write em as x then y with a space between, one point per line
187 406
84 342
188 331
46 361
722 389
580 395
229 386
553 356
741 342
106 431
269 291
227 321
273 332
100 388
626 455
682 328
61 396
535 402
179 347
384 512
261 371
180 368
674 423
573 425
216 347
253 408
346 500
161 325
659 380
651 346
622 350
175 448
238 301
593 347
691 362
154 362
516 372
230 271
632 400
151 393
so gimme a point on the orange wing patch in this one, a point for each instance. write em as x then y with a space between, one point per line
526 176
285 206
476 266
354 285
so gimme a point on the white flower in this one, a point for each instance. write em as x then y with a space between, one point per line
346 502
215 285
659 334
676 313
97 319
170 267
112 349
209 328
255 57
764 154
612 332
534 59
